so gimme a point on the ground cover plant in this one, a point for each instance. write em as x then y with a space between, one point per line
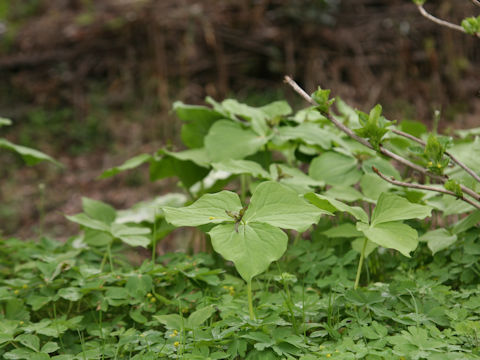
329 233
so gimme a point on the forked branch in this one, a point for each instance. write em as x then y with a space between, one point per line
443 179
392 180
454 159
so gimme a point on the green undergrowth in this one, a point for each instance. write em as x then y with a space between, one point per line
66 301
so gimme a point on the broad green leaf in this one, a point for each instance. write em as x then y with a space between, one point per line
415 128
209 209
30 156
278 205
98 210
438 239
293 177
30 341
276 108
345 230
257 117
392 207
228 140
391 235
20 354
242 167
467 223
381 164
335 169
358 244
198 156
344 193
199 316
88 222
70 293
198 120
373 186
131 235
49 347
308 133
187 171
332 205
132 163
252 249
171 321
97 238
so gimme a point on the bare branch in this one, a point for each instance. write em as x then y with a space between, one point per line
439 21
423 187
454 159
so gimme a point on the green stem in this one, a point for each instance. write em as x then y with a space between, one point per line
250 300
360 264
154 240
243 187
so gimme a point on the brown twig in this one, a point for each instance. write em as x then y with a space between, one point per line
382 150
454 159
439 21
392 180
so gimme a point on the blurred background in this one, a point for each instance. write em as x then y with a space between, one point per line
91 82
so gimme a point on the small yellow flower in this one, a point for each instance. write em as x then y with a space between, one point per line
212 218
149 295
175 332
329 355
439 165
153 300
16 292
21 322
24 286
176 343
430 163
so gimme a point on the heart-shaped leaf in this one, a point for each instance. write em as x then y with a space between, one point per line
391 207
252 248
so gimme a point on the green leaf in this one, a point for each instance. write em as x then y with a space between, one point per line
209 209
242 167
30 341
88 222
467 223
30 156
98 210
257 117
335 169
49 347
276 108
127 165
373 186
199 316
70 293
294 178
438 239
332 205
5 122
392 207
391 235
19 354
322 98
309 133
131 235
171 321
345 230
176 164
228 140
278 205
357 245
252 249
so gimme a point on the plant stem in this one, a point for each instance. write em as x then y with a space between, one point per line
360 264
243 185
250 300
154 240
